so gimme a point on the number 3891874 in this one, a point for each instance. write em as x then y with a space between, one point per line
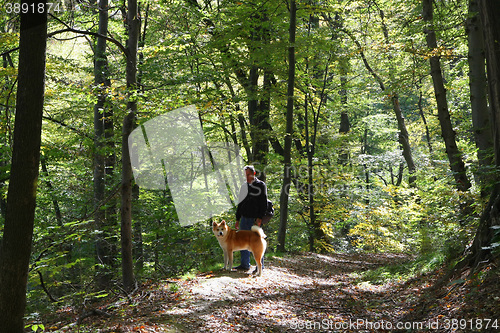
24 7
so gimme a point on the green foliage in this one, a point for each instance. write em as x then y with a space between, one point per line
386 226
36 328
405 271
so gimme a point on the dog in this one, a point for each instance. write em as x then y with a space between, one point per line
231 240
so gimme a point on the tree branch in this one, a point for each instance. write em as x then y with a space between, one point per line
42 283
90 33
365 61
77 31
59 122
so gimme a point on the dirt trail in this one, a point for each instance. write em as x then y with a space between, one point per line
297 293
293 294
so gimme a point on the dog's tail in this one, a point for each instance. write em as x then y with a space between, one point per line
259 230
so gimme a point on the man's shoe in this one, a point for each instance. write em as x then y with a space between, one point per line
242 268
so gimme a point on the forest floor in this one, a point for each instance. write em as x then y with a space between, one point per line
300 293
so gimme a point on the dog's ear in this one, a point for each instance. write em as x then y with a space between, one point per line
214 224
223 222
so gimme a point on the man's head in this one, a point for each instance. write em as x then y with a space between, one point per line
249 173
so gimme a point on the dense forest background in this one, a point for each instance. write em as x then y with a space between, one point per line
383 128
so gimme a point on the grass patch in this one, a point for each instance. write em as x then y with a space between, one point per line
404 271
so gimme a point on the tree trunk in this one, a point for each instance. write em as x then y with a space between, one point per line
101 84
244 139
15 249
253 105
317 236
285 190
48 183
345 125
128 125
138 248
404 138
490 21
317 232
314 227
364 150
403 132
126 206
259 102
424 120
454 155
261 142
404 141
478 97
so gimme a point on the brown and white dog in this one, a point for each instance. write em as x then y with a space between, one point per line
231 240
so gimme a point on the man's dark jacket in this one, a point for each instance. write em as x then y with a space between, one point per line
254 204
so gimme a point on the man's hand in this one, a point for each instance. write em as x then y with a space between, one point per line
258 222
237 225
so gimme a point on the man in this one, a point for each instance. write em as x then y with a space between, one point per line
251 208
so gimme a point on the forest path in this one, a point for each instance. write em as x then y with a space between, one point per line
296 293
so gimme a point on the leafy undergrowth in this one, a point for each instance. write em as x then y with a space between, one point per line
300 293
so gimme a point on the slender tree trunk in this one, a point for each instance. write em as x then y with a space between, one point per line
403 132
253 108
424 120
15 249
244 138
404 141
261 146
317 236
400 174
478 97
404 138
345 125
126 206
138 250
313 233
454 155
317 233
48 183
111 216
101 84
285 190
128 125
